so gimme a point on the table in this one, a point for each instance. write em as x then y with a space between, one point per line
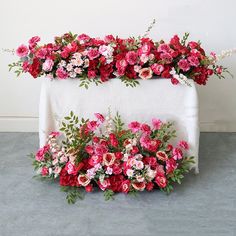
156 98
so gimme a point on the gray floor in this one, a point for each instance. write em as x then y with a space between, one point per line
202 205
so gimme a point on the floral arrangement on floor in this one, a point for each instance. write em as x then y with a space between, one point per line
98 60
103 154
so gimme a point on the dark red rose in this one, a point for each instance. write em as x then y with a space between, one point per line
35 68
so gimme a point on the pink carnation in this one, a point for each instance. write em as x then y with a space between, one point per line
100 117
156 123
61 73
134 126
183 144
193 60
48 64
177 153
22 51
131 57
184 65
33 41
93 53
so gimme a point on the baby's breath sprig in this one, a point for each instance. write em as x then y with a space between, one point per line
149 29
12 51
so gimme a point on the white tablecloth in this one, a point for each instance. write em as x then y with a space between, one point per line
156 98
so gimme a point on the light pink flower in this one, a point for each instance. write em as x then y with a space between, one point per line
184 65
61 73
48 64
57 170
22 51
145 73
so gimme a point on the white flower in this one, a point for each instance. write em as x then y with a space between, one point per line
130 172
72 74
77 55
151 174
62 63
109 171
125 157
77 62
86 63
139 165
101 178
69 67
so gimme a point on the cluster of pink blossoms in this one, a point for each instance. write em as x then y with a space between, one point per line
122 160
72 56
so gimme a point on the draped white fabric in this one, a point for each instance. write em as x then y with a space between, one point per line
156 98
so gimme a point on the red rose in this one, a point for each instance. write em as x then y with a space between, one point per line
68 180
161 181
89 149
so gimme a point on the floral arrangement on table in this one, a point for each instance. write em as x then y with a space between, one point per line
98 60
102 153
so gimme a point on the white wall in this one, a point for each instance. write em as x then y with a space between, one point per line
211 21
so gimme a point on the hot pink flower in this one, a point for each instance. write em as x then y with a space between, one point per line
22 51
167 57
193 60
157 68
33 41
44 171
131 57
184 65
41 152
92 125
42 53
177 153
61 73
54 134
183 144
145 73
126 186
171 165
83 37
156 123
134 126
146 128
93 53
163 48
100 117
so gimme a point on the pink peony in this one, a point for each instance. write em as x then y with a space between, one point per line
61 73
48 64
131 57
157 68
145 73
22 51
93 53
184 65
134 126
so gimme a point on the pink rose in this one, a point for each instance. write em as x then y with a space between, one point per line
193 60
131 57
61 73
157 68
22 51
109 159
42 53
140 186
145 49
161 181
48 64
83 180
93 53
156 123
83 37
134 126
145 73
184 65
167 57
162 156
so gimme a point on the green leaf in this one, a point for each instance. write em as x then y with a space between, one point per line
109 195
